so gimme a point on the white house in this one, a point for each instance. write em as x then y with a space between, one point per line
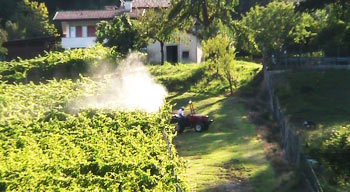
79 30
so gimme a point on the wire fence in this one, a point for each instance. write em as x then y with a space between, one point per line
171 155
291 138
290 63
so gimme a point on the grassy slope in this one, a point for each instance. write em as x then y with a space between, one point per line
229 153
196 78
321 97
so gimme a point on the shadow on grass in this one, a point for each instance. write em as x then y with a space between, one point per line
230 144
230 126
229 153
183 83
221 132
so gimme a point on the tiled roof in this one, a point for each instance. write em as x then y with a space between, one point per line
150 3
110 12
87 15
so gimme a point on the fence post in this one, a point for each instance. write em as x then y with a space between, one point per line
291 139
298 151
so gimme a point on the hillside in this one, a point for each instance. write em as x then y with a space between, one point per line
99 149
231 155
322 98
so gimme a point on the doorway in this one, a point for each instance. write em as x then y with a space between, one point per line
171 54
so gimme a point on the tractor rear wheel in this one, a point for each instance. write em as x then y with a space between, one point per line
199 127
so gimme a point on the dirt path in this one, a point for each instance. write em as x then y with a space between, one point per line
287 178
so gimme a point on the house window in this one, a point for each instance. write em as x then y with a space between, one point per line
91 31
185 55
85 33
72 32
79 31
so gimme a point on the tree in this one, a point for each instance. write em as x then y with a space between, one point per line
214 48
245 5
205 12
30 20
318 4
7 10
220 53
229 71
121 33
54 5
14 31
156 26
271 27
334 36
3 38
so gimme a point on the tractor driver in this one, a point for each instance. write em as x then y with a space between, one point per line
181 116
181 112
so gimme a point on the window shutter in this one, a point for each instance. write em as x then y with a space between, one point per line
79 31
91 31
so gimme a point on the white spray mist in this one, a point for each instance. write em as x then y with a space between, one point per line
131 87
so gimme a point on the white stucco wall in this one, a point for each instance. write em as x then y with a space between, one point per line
70 41
78 42
199 53
187 42
153 51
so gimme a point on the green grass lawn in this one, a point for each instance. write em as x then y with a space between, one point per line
228 155
321 97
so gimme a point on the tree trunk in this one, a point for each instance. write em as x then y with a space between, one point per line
205 14
229 79
162 52
230 82
343 4
217 69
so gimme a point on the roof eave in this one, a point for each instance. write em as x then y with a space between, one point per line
87 19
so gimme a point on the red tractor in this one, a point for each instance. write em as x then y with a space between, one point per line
197 121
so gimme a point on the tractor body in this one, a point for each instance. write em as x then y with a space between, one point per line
197 121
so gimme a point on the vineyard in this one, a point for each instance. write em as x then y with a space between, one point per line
59 65
46 145
50 143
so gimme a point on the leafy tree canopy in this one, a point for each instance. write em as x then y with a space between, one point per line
271 27
3 38
318 4
334 36
122 34
29 20
156 26
245 5
55 5
205 12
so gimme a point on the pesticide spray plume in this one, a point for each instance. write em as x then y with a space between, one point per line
130 87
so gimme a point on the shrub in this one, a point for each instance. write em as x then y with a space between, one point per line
335 154
216 48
